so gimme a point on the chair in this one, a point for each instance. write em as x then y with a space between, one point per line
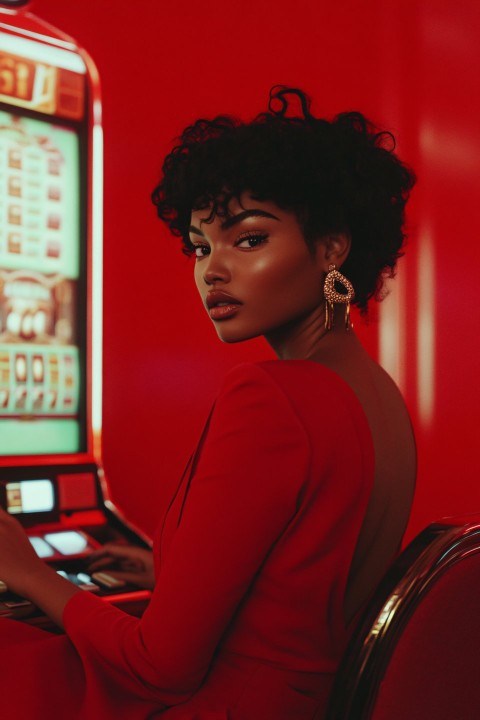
415 654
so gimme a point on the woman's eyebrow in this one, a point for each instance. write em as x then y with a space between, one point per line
235 219
195 230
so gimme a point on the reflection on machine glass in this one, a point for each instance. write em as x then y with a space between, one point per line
68 542
42 548
30 496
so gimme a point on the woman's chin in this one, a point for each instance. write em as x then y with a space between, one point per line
231 337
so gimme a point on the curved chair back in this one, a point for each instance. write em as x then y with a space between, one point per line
415 654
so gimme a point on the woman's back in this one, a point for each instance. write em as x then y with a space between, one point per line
395 467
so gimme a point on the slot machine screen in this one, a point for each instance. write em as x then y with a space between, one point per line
41 326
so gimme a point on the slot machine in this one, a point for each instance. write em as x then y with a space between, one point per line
51 477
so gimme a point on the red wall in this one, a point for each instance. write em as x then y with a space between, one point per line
414 67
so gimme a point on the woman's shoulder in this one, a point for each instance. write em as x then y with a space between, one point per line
307 386
292 375
286 371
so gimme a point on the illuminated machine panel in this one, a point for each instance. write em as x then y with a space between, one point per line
40 378
43 246
41 78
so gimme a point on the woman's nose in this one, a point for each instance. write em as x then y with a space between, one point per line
216 270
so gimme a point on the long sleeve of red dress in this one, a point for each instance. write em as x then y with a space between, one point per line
243 493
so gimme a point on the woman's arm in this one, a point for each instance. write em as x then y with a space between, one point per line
24 573
243 493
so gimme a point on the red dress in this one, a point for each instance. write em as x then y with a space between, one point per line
252 560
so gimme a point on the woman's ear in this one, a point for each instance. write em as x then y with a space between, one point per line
333 249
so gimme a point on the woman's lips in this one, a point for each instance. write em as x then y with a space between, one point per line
222 312
221 305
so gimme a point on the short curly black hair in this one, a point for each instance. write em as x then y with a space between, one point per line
336 176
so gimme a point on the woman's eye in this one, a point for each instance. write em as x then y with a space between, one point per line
201 250
251 241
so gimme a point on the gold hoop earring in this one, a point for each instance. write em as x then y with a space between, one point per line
332 296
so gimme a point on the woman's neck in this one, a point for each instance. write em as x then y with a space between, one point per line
309 339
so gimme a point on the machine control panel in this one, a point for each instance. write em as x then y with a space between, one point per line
66 518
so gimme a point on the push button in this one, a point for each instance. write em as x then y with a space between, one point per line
107 581
16 603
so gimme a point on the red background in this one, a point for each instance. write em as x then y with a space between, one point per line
413 67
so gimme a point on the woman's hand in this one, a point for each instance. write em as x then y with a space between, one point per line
19 562
125 562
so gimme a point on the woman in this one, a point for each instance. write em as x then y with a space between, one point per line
297 496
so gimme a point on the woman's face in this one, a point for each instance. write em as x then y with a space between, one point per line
254 271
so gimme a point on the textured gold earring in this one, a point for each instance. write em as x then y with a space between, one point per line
332 296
